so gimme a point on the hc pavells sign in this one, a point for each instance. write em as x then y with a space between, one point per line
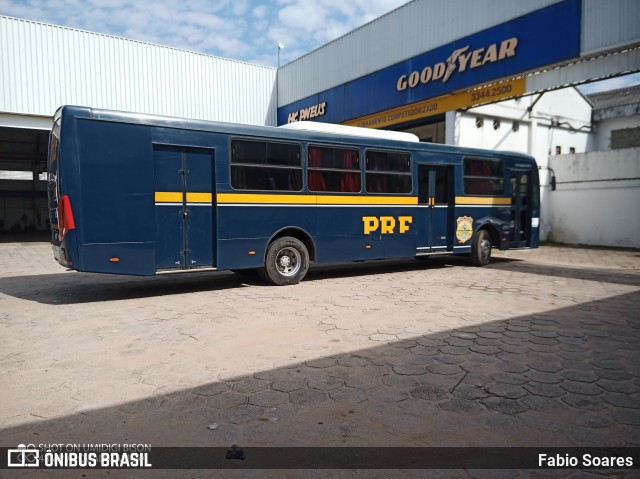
461 59
308 113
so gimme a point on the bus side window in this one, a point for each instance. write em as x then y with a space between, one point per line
388 172
261 165
483 177
333 169
442 186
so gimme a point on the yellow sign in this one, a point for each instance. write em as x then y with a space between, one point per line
442 104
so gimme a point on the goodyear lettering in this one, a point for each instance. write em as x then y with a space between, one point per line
386 224
313 111
459 60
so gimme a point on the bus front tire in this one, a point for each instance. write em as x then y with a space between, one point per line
481 248
287 261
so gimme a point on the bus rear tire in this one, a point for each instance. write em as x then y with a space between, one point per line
481 248
287 261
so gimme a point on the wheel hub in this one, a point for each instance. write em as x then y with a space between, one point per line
485 249
288 262
285 262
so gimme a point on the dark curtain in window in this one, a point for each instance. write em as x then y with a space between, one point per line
315 178
350 181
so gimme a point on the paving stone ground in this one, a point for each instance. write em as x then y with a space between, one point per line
540 348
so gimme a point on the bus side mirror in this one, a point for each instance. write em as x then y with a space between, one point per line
553 183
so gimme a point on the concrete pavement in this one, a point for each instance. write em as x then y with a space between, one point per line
538 349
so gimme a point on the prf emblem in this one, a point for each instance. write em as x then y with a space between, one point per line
464 231
386 224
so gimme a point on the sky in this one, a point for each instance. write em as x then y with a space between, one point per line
245 30
611 84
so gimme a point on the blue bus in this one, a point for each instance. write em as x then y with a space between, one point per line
140 194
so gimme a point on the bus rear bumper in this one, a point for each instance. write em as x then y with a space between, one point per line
61 256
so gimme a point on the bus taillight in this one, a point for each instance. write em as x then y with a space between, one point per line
65 216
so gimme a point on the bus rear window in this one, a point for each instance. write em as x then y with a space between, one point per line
388 172
262 165
483 177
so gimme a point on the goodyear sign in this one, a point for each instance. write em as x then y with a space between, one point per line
544 37
459 60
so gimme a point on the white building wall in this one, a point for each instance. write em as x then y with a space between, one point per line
597 199
45 66
605 127
486 136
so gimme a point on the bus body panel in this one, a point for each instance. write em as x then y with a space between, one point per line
118 231
348 233
338 231
152 193
119 258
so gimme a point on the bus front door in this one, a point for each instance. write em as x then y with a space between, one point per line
520 226
184 207
435 209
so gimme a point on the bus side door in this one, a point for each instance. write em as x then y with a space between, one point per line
184 207
435 208
520 225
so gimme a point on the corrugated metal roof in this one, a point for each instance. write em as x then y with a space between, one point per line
615 98
44 66
608 25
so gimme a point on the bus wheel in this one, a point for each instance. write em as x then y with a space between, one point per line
287 261
481 248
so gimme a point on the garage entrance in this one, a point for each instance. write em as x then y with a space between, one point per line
23 186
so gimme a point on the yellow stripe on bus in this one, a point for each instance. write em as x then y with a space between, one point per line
258 198
168 197
251 198
367 200
176 197
481 200
199 197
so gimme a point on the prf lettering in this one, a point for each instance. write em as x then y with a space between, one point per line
386 225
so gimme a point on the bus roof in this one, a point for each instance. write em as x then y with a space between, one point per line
351 130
